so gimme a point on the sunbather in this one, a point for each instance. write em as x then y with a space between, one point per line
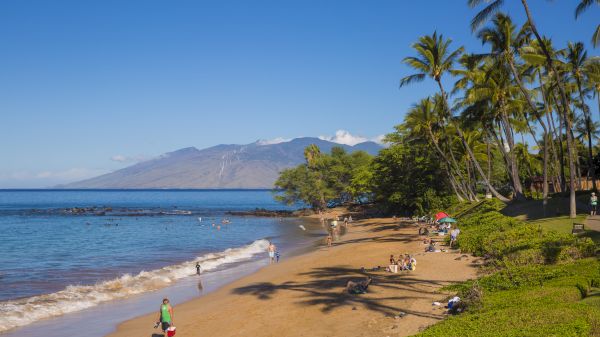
358 287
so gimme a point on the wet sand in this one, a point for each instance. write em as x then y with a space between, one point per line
304 295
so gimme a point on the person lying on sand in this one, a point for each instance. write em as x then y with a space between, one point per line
358 287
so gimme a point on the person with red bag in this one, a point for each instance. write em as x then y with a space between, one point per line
165 318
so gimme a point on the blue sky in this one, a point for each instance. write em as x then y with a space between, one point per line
87 87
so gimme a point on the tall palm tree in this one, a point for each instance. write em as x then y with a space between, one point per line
592 75
435 58
576 59
490 88
479 19
582 7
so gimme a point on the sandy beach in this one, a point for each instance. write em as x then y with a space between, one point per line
303 295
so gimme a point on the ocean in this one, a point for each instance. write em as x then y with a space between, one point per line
66 251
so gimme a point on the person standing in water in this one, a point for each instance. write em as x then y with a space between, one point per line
165 315
593 204
272 249
198 268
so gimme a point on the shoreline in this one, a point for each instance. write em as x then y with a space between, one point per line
303 295
181 290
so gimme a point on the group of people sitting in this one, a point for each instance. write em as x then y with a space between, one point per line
408 262
441 230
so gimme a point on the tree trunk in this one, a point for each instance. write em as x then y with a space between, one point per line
588 129
563 97
468 148
448 165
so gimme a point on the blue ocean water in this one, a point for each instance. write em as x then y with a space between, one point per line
66 250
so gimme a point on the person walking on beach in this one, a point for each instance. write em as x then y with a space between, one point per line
593 204
165 317
329 240
272 249
198 268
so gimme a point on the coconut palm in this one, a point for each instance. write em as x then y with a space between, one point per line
505 44
582 7
576 58
435 58
423 122
491 98
482 17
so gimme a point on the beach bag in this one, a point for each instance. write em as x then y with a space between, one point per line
171 331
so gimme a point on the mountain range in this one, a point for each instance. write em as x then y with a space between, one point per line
255 165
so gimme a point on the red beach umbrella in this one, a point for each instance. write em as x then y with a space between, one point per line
441 215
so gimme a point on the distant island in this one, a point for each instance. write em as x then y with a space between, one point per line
255 165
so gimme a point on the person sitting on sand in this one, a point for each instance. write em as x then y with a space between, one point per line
431 246
165 317
412 265
358 287
393 267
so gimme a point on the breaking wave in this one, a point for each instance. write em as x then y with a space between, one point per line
20 312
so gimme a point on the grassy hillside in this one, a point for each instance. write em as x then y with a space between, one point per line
539 279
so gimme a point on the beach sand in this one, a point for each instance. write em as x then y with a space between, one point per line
303 295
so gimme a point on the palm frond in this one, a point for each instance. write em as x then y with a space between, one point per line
411 79
485 13
583 6
596 37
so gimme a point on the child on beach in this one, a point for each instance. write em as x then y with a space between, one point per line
272 250
329 240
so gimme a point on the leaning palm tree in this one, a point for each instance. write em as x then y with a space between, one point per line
576 59
480 18
435 58
582 7
423 123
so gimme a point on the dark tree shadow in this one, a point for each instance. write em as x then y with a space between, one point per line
326 289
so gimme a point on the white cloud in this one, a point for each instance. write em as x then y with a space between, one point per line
379 139
346 138
128 159
273 141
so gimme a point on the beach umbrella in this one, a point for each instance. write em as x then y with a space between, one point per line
447 220
441 215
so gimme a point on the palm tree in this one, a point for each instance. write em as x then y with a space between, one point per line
491 91
576 59
592 75
434 60
479 19
423 122
582 7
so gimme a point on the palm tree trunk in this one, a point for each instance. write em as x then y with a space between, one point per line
550 121
563 97
588 129
561 150
455 184
468 148
539 119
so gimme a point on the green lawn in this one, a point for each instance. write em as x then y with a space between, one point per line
561 224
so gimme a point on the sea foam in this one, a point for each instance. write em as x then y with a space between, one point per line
20 312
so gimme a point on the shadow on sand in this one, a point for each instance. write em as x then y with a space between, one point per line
325 289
